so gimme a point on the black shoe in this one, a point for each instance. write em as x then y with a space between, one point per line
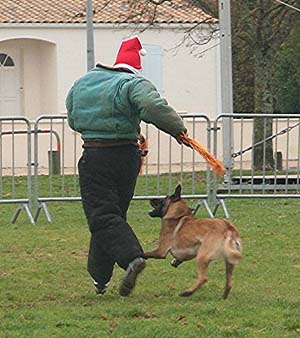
134 268
100 290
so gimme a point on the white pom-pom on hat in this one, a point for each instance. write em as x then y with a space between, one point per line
143 52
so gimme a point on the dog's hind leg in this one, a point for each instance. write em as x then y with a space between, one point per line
209 251
203 263
228 286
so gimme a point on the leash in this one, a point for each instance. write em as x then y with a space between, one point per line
281 132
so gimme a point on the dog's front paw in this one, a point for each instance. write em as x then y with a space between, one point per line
175 262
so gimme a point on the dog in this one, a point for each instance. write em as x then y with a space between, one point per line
186 237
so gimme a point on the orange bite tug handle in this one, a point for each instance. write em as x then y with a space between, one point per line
215 164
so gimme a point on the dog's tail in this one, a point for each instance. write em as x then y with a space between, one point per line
232 244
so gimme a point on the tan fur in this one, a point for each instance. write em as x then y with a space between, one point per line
186 237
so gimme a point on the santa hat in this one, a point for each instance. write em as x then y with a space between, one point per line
129 55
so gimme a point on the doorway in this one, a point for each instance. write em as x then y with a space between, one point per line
9 83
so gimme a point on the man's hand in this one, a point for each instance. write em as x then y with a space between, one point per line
143 144
181 139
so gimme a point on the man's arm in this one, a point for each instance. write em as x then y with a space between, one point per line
153 108
69 106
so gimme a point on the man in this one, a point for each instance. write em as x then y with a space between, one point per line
106 106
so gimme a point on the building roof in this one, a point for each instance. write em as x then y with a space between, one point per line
105 12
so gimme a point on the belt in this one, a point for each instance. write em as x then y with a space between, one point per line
104 143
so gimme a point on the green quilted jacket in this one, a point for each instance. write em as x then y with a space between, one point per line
110 104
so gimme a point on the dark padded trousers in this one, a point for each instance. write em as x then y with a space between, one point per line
107 181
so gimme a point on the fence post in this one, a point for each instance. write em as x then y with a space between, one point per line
226 85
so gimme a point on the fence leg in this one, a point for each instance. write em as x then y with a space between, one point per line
43 206
23 206
205 203
223 205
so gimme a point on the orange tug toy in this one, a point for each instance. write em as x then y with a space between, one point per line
215 164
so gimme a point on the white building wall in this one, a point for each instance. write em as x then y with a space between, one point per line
190 83
55 56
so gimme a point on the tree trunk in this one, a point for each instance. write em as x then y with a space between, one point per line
263 101
263 153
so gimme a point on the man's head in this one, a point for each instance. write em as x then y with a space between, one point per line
129 55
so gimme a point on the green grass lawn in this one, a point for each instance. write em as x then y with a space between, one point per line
45 290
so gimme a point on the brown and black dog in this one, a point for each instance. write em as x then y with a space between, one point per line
186 237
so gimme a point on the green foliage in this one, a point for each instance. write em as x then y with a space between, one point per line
287 76
265 40
46 291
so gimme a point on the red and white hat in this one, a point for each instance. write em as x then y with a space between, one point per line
129 55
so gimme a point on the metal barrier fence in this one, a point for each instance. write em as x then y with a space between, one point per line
265 157
13 190
56 150
166 164
169 163
61 183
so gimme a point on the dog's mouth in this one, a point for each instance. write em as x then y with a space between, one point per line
153 213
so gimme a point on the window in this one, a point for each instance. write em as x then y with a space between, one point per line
6 60
153 66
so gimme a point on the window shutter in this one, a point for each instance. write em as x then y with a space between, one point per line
153 66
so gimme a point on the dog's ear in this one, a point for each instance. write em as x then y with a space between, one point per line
177 194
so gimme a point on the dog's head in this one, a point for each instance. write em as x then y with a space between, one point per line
161 205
